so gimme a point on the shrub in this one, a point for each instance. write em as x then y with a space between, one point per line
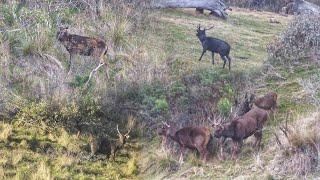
299 41
161 105
224 107
34 114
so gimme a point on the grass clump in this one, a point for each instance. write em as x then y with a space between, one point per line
297 152
5 132
43 172
224 107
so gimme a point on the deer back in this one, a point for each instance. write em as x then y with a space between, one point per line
267 102
193 136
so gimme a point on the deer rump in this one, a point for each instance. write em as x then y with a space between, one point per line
194 138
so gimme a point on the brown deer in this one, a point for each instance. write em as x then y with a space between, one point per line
242 127
267 102
85 46
191 137
119 144
100 145
103 145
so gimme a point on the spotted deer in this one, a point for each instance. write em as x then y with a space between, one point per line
85 46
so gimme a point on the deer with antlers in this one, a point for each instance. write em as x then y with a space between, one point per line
85 46
241 128
111 148
214 45
191 137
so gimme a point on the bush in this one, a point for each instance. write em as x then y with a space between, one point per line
224 107
161 105
299 41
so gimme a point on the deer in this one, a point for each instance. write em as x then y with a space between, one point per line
85 46
241 128
246 105
103 145
214 45
267 102
191 137
111 147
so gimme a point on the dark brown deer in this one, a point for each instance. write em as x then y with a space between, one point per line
191 137
246 105
241 128
85 46
118 145
267 102
103 145
111 147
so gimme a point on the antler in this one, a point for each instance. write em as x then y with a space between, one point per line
165 123
131 124
199 27
208 28
118 130
217 121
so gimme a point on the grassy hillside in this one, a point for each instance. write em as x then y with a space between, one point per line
155 76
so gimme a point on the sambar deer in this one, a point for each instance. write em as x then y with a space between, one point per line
192 137
267 102
85 46
242 127
214 45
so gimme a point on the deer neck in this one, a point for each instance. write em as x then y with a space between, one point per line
173 135
202 38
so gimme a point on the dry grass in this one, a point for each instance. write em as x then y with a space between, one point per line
5 132
43 172
298 148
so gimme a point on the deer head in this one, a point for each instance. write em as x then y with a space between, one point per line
201 33
123 137
167 130
62 34
130 125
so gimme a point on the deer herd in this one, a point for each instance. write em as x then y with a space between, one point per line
249 122
238 129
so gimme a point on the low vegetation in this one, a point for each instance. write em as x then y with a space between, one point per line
48 117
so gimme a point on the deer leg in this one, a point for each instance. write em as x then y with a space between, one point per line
93 71
107 70
70 64
224 60
258 136
164 143
202 55
221 143
229 59
235 150
213 58
182 150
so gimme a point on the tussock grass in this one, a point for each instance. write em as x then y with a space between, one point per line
5 132
298 150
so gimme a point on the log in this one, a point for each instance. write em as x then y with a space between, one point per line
217 7
304 7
